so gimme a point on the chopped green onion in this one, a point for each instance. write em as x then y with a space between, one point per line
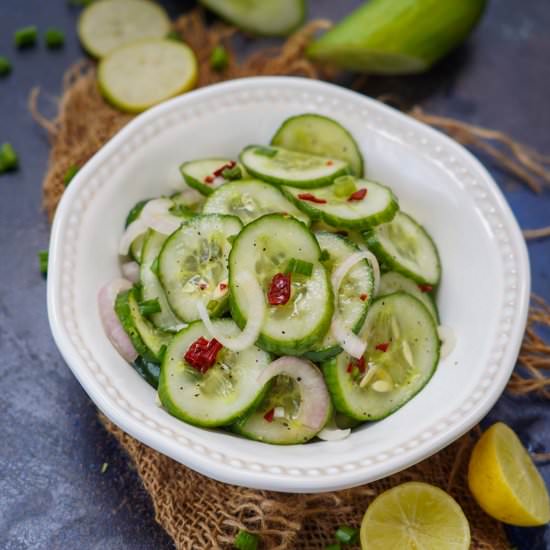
347 535
325 255
8 158
104 467
265 151
43 261
5 66
234 173
54 38
299 267
344 186
333 547
25 37
149 307
219 58
174 35
70 174
246 541
155 266
162 352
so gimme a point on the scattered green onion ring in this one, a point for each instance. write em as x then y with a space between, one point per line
246 541
219 58
25 37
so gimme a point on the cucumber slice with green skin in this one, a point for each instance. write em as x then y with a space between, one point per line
148 370
394 282
250 199
151 288
222 394
282 392
109 24
354 297
261 17
148 340
195 172
193 263
397 36
409 362
378 206
137 244
264 248
283 167
141 74
319 135
403 245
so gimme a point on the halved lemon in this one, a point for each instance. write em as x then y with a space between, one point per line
140 75
414 516
504 480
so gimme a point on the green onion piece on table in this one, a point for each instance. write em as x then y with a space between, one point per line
25 37
335 546
397 36
43 261
347 535
219 58
5 66
246 541
70 174
8 158
54 38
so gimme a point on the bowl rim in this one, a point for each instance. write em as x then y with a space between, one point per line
437 147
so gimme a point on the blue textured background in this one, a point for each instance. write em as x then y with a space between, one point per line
52 493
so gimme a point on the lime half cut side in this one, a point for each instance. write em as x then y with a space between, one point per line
140 75
109 24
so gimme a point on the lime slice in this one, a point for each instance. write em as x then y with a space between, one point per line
142 74
108 24
412 516
397 36
504 480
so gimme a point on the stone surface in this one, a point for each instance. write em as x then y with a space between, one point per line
53 493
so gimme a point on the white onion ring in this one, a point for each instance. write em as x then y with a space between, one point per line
315 400
331 432
256 312
348 340
130 270
155 215
448 341
109 319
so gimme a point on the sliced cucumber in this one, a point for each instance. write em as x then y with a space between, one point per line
393 376
198 173
283 393
319 135
355 295
264 248
250 199
378 206
189 201
151 288
261 17
284 167
106 25
137 76
193 264
404 246
222 394
394 282
149 341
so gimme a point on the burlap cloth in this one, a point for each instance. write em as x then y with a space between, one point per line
197 512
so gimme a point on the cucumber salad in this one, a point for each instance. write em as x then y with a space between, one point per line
280 295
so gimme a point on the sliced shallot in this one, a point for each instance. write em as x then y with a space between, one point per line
331 432
113 328
256 312
315 400
130 270
448 340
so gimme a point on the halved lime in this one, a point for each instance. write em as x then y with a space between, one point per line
142 74
108 24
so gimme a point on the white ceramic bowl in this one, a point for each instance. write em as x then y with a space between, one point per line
483 295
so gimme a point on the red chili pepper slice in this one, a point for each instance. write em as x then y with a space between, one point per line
363 297
311 198
269 415
361 364
223 286
349 370
329 163
208 179
279 291
219 171
202 353
426 288
359 195
383 347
